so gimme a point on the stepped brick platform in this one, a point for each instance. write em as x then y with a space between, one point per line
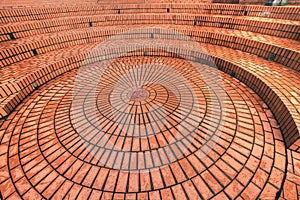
149 100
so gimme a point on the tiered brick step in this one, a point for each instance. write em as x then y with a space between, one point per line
281 50
29 14
153 1
279 28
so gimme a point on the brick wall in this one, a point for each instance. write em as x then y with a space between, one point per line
226 1
294 2
17 3
254 2
260 2
34 3
257 2
155 1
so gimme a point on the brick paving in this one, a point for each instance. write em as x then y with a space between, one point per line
56 149
291 189
86 119
249 67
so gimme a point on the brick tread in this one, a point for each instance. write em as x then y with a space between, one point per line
276 27
273 40
263 46
25 14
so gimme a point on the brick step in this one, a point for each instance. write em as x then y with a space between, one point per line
281 50
27 14
280 28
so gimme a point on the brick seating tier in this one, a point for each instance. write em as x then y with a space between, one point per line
29 14
280 28
280 50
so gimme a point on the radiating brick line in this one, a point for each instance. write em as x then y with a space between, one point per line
154 154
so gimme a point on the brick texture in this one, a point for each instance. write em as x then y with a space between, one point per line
47 3
149 100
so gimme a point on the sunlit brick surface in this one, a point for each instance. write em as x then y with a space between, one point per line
147 143
191 100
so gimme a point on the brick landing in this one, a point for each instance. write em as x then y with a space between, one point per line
145 128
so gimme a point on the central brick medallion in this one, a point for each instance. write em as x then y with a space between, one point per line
139 94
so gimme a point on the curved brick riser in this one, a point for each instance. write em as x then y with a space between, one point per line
285 55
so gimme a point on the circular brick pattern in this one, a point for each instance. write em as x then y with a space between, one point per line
178 101
179 135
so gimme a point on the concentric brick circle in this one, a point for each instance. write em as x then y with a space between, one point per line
171 103
68 142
